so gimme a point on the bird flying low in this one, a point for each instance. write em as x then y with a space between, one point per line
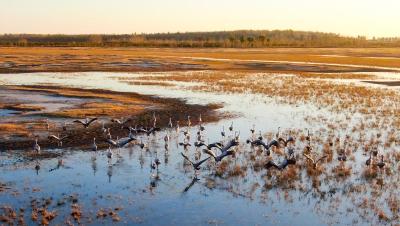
86 123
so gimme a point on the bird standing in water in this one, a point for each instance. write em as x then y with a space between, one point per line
154 120
36 146
170 123
177 127
154 164
253 130
369 160
109 154
381 163
166 141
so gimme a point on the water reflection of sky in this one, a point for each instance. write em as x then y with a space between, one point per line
128 183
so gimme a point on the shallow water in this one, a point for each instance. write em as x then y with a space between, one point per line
6 112
128 182
45 102
394 69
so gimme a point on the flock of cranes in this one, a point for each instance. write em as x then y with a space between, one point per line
216 151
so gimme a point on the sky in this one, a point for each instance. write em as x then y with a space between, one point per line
371 18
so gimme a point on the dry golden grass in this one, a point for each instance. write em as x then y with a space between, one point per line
291 174
222 168
337 97
12 128
383 216
97 59
375 105
237 170
342 171
21 107
98 109
335 76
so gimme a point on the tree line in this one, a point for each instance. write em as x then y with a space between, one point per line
220 39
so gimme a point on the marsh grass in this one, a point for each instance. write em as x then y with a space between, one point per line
21 107
98 109
97 59
15 129
374 130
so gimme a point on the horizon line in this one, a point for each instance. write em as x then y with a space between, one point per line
202 31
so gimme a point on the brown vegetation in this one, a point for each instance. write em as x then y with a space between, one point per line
226 39
21 107
12 128
58 59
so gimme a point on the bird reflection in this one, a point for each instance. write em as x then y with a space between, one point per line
60 164
130 152
109 173
166 156
37 167
141 160
154 179
190 185
94 167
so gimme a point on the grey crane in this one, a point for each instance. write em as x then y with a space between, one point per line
225 151
196 166
120 142
86 123
314 161
58 138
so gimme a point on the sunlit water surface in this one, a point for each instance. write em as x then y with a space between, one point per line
128 182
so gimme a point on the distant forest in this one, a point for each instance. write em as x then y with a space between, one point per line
220 39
